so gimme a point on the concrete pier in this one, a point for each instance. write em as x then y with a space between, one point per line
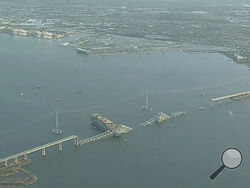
25 157
76 141
6 163
60 147
43 152
16 160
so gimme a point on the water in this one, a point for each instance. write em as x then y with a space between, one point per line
182 152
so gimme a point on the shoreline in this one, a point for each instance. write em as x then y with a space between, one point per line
177 47
16 175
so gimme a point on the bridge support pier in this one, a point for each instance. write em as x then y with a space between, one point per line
16 160
76 141
6 163
25 157
60 146
43 152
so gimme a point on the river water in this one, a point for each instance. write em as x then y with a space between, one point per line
179 153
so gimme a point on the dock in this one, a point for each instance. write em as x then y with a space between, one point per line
233 96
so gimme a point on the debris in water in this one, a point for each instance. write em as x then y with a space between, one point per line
231 113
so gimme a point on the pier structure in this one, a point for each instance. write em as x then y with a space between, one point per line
236 96
42 148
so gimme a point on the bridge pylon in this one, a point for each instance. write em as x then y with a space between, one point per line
25 157
43 152
60 146
16 160
6 163
76 141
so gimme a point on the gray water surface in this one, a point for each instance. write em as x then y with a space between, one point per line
179 153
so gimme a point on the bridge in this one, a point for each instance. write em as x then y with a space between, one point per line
101 136
97 119
234 96
42 148
148 122
160 117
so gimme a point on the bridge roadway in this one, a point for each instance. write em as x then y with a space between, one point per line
42 148
101 136
148 122
231 96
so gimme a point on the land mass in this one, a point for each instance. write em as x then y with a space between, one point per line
101 28
15 176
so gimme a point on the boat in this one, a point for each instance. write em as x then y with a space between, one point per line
56 130
200 108
82 51
202 92
146 107
231 113
66 44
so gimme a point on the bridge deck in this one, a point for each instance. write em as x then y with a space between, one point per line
100 136
38 148
148 122
230 96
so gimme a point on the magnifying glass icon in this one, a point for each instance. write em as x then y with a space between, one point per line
231 158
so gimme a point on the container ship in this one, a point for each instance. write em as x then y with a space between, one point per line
101 122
